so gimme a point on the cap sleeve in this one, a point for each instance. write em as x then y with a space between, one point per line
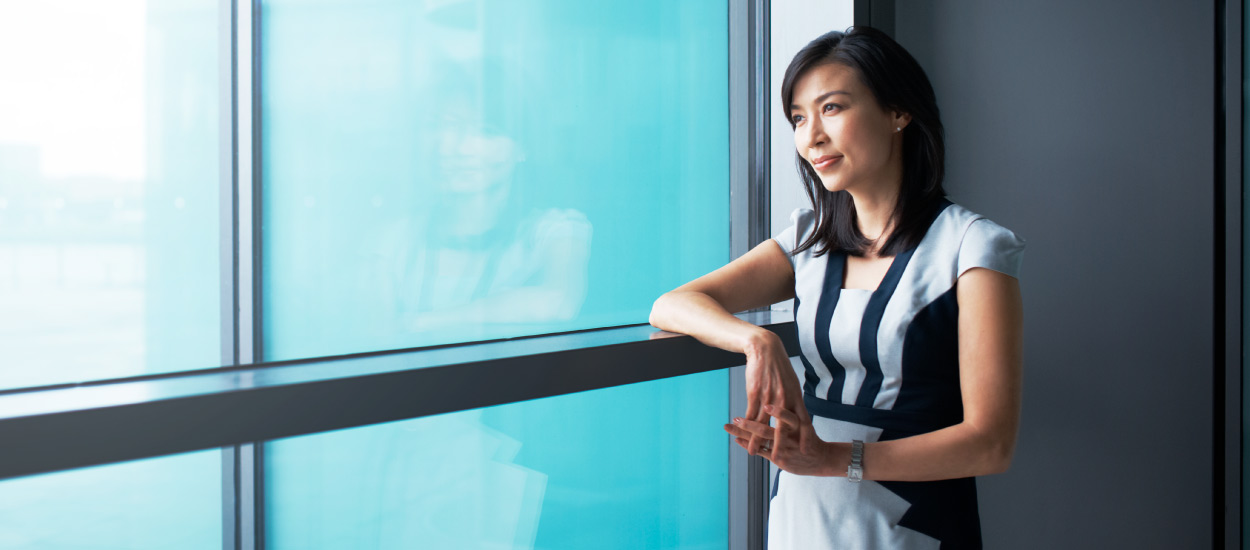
992 246
800 225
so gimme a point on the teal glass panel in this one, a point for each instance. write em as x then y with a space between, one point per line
632 467
108 189
156 504
109 246
460 170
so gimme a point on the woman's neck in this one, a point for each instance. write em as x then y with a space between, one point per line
874 210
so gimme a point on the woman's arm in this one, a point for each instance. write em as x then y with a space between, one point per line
704 308
990 373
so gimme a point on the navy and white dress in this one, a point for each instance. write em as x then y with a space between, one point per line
880 365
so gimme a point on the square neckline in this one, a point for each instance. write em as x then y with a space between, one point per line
884 277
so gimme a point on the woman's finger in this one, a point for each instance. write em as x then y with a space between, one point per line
763 445
782 431
753 405
737 431
745 437
789 401
783 416
761 434
755 428
753 410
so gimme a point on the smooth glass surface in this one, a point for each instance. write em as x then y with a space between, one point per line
109 247
459 170
108 189
632 467
156 504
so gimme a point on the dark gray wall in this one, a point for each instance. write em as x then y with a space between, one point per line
1087 127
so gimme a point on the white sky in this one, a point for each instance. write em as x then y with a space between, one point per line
72 83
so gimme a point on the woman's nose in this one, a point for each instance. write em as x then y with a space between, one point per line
816 132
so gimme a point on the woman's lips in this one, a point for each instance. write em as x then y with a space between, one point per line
821 163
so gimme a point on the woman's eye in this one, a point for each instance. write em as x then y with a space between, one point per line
831 107
796 118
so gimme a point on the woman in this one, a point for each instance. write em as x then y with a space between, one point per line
908 311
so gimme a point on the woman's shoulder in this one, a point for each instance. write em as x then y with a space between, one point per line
980 242
802 223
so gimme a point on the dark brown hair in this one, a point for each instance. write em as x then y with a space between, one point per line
899 84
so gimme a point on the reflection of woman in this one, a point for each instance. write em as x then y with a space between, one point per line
470 258
467 262
908 310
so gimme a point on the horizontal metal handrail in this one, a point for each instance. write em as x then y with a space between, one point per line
61 427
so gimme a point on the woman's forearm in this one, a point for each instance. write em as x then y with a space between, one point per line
701 316
958 451
704 308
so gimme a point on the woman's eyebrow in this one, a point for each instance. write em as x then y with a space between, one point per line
823 96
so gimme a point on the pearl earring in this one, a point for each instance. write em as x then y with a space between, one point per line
899 129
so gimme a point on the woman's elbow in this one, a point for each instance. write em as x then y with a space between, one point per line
658 310
998 456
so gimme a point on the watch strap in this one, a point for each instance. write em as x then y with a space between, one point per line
855 472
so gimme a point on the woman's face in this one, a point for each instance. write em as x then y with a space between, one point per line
475 165
841 131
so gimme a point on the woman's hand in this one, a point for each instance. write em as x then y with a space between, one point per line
770 379
793 445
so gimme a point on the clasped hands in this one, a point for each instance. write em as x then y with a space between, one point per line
773 391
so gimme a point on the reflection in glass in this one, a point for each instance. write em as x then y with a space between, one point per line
638 466
473 254
460 170
154 504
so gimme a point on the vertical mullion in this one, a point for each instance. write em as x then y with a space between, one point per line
749 225
757 467
1229 382
760 192
228 238
252 466
247 465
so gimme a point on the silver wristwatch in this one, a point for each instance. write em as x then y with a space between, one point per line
855 472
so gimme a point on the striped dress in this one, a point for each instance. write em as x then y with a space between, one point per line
880 365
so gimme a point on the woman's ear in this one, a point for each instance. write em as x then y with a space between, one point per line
901 120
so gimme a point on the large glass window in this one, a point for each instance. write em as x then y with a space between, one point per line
439 172
109 167
453 171
431 172
155 504
638 466
109 128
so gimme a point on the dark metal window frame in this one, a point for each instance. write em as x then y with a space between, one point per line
1227 339
239 406
749 226
70 426
95 423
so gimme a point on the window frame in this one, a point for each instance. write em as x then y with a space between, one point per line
66 426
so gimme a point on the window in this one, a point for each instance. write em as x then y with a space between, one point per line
458 171
109 250
401 175
447 172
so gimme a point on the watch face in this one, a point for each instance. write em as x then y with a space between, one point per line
854 474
